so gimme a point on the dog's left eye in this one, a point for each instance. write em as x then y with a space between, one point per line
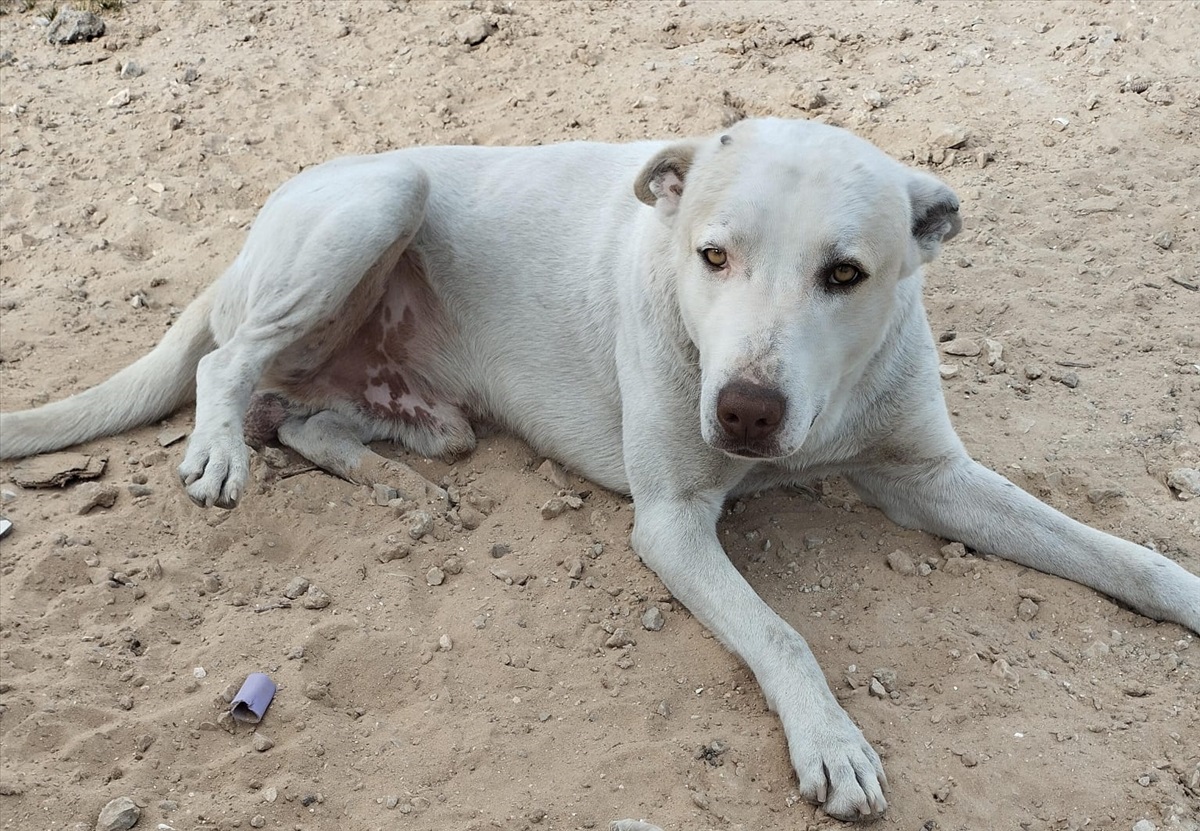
844 274
715 257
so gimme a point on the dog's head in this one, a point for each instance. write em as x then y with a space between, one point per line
788 241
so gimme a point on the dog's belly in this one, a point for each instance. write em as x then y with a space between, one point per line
385 370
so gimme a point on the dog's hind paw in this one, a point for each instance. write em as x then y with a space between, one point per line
215 472
839 769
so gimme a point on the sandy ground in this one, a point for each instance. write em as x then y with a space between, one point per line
1077 164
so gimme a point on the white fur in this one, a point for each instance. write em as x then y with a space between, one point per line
585 321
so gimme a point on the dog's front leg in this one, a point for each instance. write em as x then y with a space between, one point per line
953 496
677 538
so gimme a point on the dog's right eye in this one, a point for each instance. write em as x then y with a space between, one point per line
715 257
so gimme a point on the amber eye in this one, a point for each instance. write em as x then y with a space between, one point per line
715 257
845 274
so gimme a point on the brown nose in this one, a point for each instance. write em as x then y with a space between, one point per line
749 412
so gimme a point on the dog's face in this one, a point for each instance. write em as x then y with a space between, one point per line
788 241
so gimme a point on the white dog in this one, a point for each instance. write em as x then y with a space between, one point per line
677 321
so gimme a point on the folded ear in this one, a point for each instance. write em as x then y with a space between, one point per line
935 216
660 183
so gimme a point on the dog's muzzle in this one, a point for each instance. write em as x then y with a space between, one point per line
750 416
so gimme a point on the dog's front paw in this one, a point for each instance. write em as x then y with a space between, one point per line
836 766
215 471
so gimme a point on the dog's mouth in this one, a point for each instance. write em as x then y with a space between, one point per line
757 454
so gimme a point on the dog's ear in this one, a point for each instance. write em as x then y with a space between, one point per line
935 216
660 183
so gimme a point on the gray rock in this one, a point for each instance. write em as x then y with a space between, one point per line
261 743
885 676
297 587
95 495
1071 380
948 136
119 814
132 69
1185 482
1144 825
963 347
1027 610
652 619
384 494
620 638
1164 240
1034 371
314 598
470 517
420 524
574 567
435 576
901 563
473 31
71 26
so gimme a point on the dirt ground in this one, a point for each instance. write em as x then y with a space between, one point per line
490 700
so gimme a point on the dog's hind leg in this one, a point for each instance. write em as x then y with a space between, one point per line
334 443
314 264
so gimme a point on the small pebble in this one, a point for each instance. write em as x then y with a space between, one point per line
1034 371
1144 825
1185 482
394 552
420 524
652 619
383 494
315 598
261 743
435 576
962 347
1027 610
1164 240
620 638
574 567
296 587
118 815
445 643
95 495
901 563
473 31
948 371
1070 380
258 821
